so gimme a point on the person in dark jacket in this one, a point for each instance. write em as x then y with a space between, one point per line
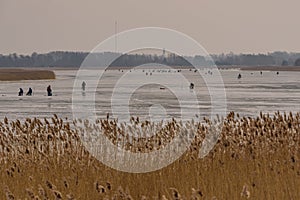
192 86
49 90
29 93
21 92
83 85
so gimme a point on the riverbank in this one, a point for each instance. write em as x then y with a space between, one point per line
25 74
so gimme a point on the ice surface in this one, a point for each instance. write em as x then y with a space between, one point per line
248 96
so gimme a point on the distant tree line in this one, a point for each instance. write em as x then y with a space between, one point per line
270 59
58 58
137 60
297 62
75 59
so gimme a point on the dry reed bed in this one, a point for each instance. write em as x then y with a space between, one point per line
25 74
255 158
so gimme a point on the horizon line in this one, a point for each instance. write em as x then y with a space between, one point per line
74 51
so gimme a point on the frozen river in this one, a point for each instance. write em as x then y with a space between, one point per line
254 92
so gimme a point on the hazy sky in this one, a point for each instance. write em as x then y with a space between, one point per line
248 26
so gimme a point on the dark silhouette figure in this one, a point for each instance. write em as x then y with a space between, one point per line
29 93
277 73
239 76
83 85
192 86
21 92
261 73
49 90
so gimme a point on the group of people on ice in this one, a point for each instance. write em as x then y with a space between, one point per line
49 90
30 92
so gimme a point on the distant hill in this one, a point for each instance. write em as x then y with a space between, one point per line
75 59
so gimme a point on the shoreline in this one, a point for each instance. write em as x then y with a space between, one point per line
19 74
236 67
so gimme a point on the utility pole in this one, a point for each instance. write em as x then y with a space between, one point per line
116 31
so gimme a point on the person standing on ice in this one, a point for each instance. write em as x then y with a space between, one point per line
49 90
83 85
29 93
21 92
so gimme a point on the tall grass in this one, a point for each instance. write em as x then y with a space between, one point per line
255 158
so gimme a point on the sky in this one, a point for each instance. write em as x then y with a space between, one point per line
238 26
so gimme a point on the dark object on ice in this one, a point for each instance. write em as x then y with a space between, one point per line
29 93
21 92
49 90
192 86
277 73
239 76
83 85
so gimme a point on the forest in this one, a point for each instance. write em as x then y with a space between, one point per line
75 59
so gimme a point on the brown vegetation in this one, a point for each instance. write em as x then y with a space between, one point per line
255 158
25 74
